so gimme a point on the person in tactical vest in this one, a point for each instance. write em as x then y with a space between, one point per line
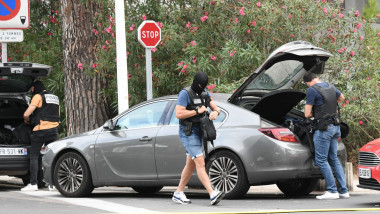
322 100
191 104
43 115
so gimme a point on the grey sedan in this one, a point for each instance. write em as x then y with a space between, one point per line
255 145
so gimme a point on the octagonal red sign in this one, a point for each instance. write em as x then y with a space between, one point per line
149 34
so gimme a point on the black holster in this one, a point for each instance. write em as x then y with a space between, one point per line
188 126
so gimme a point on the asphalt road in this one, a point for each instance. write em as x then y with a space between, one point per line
262 199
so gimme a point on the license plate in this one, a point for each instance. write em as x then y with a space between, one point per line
13 151
364 173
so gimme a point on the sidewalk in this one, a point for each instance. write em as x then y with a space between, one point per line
254 189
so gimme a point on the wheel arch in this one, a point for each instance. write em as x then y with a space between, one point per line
64 151
220 149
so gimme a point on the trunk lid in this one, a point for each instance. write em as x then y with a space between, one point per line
282 69
17 77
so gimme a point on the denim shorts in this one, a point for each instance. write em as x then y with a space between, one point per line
192 143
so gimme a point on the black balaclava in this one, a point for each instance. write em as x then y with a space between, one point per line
200 78
38 87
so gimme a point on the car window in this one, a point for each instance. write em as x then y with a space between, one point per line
277 75
221 117
146 116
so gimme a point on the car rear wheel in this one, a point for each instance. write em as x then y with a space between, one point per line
72 176
298 187
147 190
227 174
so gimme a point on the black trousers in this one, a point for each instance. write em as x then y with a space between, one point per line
39 138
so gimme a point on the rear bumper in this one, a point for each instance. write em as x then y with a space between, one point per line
14 165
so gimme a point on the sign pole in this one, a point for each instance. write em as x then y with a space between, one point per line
148 62
149 35
121 57
4 56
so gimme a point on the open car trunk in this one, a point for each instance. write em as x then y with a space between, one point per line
276 105
13 130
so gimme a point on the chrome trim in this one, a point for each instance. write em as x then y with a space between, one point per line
368 159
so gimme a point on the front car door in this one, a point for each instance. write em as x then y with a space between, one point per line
127 152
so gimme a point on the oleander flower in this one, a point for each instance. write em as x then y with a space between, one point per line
242 11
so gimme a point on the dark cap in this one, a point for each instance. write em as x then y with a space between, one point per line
38 87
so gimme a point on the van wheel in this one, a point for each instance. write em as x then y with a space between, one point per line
227 174
298 187
72 176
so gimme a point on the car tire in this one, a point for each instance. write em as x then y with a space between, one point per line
298 187
72 176
227 173
147 190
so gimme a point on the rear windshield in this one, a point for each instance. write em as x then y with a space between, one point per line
277 75
15 84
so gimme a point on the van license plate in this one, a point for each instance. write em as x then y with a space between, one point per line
364 173
13 151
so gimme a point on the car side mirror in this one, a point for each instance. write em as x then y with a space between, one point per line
109 125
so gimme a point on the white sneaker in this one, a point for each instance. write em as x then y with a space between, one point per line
344 195
52 188
30 188
328 195
180 198
216 196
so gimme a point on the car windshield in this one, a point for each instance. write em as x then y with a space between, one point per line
15 83
277 75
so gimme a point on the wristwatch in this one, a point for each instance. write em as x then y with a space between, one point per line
196 110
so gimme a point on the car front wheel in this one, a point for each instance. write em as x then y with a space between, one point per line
227 174
72 176
298 187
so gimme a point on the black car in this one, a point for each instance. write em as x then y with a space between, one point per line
16 79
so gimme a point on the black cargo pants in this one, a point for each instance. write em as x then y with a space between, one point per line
39 138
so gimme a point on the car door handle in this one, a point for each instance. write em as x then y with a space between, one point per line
145 138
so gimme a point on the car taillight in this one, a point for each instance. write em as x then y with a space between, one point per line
282 134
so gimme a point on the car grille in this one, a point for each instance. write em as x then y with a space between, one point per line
370 182
368 159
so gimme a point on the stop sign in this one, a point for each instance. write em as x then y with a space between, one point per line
149 34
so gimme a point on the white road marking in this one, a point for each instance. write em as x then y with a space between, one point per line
89 202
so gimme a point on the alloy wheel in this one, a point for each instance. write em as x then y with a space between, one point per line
70 174
223 174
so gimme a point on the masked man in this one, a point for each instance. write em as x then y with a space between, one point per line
191 104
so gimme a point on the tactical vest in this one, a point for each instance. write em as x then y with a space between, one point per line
195 101
49 110
328 109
